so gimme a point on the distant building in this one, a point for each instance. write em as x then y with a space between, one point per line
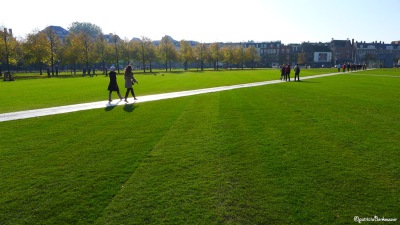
111 38
59 31
316 54
294 53
271 54
174 42
377 54
342 51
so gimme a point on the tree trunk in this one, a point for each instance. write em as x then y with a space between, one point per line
52 63
143 62
150 67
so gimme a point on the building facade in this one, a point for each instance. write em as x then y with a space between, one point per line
377 54
342 51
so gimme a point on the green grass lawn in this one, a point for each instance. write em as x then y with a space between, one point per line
57 91
320 151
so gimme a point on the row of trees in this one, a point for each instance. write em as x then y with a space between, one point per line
86 46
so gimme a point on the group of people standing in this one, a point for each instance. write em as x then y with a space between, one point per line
129 81
351 66
91 71
285 72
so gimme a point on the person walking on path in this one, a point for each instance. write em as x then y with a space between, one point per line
113 86
297 72
129 81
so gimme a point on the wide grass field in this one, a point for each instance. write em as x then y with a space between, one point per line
319 151
63 90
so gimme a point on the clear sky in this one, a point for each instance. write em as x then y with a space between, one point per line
291 21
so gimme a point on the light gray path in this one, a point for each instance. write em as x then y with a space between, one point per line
103 104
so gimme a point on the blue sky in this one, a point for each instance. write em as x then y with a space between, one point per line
291 21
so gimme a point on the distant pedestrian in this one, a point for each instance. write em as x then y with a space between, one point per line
283 72
344 67
113 86
287 72
338 67
297 72
129 81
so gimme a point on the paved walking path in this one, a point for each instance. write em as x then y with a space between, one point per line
103 104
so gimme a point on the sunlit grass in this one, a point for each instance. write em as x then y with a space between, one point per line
40 93
320 151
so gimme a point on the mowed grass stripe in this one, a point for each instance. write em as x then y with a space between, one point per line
179 172
69 167
274 162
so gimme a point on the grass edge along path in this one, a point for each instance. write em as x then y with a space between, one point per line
103 104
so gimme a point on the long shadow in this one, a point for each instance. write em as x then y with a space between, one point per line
109 107
307 81
130 107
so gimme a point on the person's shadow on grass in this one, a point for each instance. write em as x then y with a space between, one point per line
308 81
130 107
109 107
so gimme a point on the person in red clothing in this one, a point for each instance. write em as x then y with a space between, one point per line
344 67
287 74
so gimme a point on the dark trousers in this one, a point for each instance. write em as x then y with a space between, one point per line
287 77
127 93
296 75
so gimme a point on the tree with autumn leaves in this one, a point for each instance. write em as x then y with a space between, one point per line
36 50
87 46
10 49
